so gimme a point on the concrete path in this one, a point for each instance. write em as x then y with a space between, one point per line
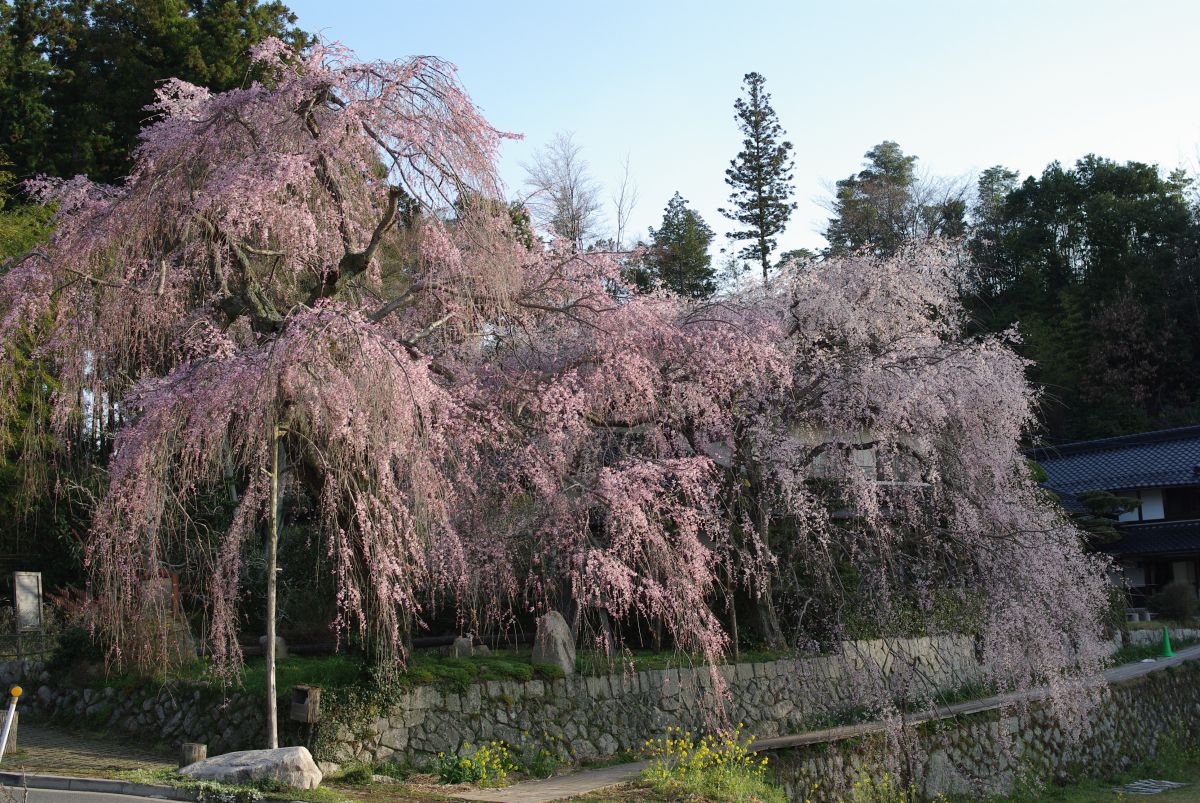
586 781
45 749
561 787
51 765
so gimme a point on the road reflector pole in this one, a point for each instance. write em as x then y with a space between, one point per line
8 719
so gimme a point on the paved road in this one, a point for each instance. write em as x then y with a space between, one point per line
9 795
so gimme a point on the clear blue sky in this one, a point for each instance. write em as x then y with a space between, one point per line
963 85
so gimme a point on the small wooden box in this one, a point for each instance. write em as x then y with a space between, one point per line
306 703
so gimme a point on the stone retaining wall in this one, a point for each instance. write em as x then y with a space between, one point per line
171 713
596 717
1144 637
591 717
982 755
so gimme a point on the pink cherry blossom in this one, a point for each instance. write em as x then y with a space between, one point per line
498 426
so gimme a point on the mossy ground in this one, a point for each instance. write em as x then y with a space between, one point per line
333 792
427 668
1173 763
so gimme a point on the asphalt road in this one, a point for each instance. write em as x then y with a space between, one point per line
10 795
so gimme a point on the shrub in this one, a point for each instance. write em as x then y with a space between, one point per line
1176 601
75 647
884 789
717 767
487 765
211 792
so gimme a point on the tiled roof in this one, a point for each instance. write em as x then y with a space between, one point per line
1165 538
1146 460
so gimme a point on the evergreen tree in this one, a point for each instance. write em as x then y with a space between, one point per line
22 226
78 74
1098 265
886 204
24 78
679 260
760 177
989 226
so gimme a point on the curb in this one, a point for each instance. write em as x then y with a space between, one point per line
19 780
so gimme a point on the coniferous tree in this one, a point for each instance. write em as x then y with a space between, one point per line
1097 263
77 75
679 260
25 26
886 205
760 177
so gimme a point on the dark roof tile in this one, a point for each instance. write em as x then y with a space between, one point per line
1146 460
1164 538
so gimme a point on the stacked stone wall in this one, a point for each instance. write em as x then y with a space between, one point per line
988 754
170 713
597 717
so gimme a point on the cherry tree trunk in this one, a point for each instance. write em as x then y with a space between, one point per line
768 620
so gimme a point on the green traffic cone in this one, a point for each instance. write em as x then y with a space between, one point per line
1167 652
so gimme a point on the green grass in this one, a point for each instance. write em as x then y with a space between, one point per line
590 662
324 671
719 788
334 789
341 671
228 793
428 668
1131 653
1174 762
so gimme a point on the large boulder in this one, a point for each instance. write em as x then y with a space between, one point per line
554 644
293 766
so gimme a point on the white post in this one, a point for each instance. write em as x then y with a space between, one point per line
8 720
273 544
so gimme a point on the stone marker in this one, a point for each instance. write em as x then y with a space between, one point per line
27 601
292 766
281 652
553 644
461 648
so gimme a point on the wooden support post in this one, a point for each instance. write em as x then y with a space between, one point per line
191 752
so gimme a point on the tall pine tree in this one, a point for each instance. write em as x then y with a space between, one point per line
887 204
678 259
760 177
76 75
